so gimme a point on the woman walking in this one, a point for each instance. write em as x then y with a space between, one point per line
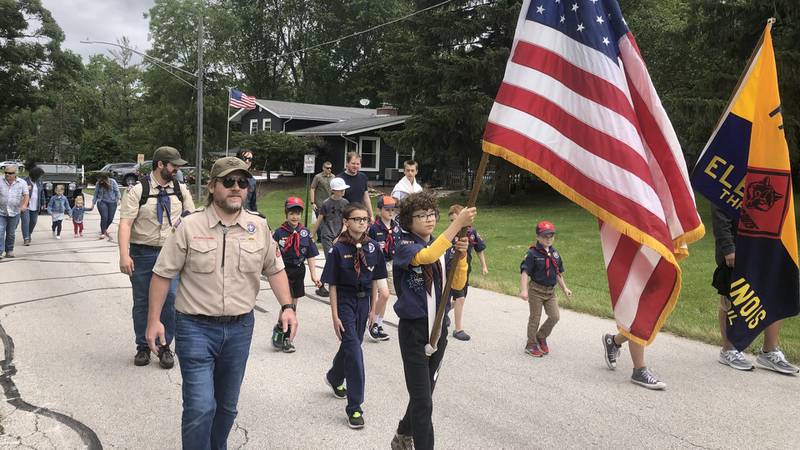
106 197
35 192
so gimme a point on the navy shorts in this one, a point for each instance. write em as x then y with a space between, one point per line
297 277
722 280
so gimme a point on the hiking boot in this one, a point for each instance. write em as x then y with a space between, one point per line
735 359
543 345
338 391
322 292
27 242
461 335
277 337
142 358
355 420
373 333
288 347
381 335
775 360
166 359
402 442
646 378
10 255
534 351
611 351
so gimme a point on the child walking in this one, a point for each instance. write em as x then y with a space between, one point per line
541 269
296 246
459 296
419 279
353 268
385 231
329 220
57 207
77 215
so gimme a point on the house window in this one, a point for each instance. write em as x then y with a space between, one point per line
266 125
370 150
403 156
253 126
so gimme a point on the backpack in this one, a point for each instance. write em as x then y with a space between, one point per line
176 191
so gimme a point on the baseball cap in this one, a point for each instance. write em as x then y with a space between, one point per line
170 155
293 202
546 228
387 201
338 184
228 164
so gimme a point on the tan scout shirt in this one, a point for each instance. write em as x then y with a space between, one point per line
145 229
220 272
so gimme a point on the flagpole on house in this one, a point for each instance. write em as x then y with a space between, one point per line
436 330
228 123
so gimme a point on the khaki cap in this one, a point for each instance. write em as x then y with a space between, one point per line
170 155
228 164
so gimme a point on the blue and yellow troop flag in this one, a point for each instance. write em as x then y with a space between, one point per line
744 170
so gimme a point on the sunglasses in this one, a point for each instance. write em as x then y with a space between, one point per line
11 173
229 182
359 219
247 158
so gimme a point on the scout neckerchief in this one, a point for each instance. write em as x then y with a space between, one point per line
548 258
389 238
360 259
293 240
162 206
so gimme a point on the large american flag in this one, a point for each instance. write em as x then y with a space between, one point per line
578 109
239 99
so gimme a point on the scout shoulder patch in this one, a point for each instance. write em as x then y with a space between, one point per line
251 228
303 233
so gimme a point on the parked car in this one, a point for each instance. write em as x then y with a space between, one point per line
9 163
65 175
122 172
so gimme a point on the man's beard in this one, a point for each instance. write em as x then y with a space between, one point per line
166 174
229 209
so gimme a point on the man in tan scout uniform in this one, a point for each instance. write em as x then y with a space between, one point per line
220 253
145 222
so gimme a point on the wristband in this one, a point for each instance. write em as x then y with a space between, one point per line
291 306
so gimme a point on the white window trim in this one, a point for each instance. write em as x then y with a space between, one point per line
397 158
377 141
253 122
264 123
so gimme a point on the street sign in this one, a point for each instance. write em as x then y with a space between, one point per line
308 163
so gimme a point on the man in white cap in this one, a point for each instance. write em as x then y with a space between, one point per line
329 220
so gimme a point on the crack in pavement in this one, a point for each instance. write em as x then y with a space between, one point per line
246 434
63 295
62 278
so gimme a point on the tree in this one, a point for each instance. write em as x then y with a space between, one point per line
276 150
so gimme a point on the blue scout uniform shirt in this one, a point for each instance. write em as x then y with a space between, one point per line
340 271
386 238
409 281
541 267
295 244
475 241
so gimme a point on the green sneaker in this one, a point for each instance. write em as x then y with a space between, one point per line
355 420
338 391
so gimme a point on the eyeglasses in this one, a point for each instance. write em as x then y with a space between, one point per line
229 182
247 158
11 173
359 219
428 216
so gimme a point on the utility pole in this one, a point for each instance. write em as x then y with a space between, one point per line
200 71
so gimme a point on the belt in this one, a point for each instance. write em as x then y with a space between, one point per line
217 319
149 247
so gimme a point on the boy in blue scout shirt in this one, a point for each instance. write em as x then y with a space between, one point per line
352 268
419 279
385 231
296 246
541 269
459 296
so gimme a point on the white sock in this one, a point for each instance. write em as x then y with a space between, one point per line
379 320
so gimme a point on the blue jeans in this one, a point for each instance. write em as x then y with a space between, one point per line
144 258
29 219
213 357
348 364
8 232
107 211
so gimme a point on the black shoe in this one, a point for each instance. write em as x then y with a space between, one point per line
338 391
322 292
374 333
166 359
461 335
381 335
355 420
142 358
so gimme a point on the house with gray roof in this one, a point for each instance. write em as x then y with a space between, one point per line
341 129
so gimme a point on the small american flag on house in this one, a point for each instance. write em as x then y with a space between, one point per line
239 99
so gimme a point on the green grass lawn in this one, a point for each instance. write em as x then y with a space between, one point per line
509 231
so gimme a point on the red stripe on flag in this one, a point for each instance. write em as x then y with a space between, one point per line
592 140
616 204
578 80
654 299
620 266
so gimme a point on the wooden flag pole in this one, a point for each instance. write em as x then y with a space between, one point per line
436 331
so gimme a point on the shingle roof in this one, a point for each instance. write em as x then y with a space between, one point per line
352 126
287 110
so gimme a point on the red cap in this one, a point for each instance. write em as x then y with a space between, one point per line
387 201
293 202
545 227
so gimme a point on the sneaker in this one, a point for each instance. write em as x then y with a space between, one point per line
402 442
58 237
288 347
534 351
166 359
646 378
735 359
75 236
775 360
322 292
373 333
277 337
142 358
381 335
110 239
10 255
355 420
461 335
611 351
27 242
543 345
101 237
338 391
